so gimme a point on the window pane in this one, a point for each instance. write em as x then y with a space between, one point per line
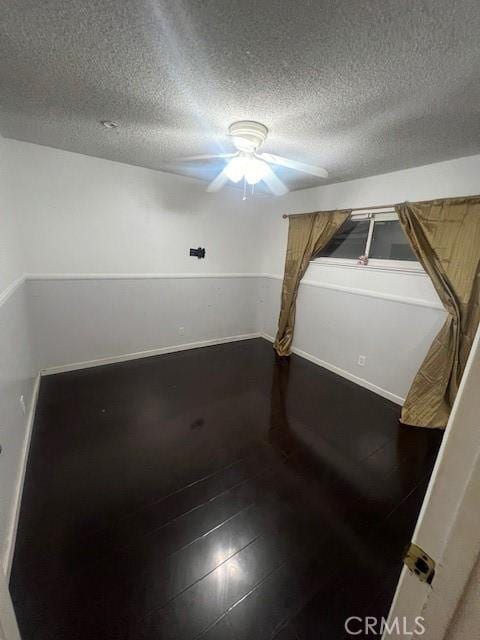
389 242
349 242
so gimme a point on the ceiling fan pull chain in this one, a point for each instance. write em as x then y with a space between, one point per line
244 189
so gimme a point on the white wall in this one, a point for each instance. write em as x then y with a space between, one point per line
78 320
17 375
87 215
335 326
84 217
11 259
16 366
344 312
92 217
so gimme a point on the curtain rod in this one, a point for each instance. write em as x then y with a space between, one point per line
378 206
387 206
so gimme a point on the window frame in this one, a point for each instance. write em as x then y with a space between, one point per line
409 266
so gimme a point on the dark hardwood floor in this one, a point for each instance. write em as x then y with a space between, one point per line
217 494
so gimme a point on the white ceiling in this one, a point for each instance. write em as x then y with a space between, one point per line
360 87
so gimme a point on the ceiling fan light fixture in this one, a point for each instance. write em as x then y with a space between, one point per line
242 144
255 171
247 163
235 169
248 135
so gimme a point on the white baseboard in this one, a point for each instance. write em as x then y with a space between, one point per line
137 276
13 526
145 354
345 374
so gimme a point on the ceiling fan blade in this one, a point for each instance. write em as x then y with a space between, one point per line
273 182
218 182
293 164
207 157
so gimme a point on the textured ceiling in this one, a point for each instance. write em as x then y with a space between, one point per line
360 87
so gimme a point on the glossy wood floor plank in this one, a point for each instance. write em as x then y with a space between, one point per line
218 493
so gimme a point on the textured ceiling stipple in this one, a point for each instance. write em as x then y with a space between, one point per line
359 87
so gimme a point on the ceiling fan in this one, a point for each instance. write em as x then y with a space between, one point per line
250 165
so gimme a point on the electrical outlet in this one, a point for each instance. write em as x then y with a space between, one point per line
361 360
23 405
181 331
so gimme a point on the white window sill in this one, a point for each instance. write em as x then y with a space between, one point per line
392 266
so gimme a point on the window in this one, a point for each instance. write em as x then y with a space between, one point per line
377 238
389 242
349 242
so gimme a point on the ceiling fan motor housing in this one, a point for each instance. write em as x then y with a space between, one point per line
248 135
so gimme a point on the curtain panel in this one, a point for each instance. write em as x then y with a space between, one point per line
445 236
307 234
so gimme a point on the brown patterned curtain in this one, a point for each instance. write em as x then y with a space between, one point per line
445 236
307 234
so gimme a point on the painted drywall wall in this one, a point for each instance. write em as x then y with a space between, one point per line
83 215
17 376
79 320
16 365
11 258
87 215
334 327
343 312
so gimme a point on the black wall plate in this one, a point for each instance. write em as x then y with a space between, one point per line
198 253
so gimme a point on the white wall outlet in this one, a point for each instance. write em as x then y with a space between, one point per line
181 331
361 360
23 405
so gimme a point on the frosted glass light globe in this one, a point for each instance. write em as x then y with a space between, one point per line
255 171
236 168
